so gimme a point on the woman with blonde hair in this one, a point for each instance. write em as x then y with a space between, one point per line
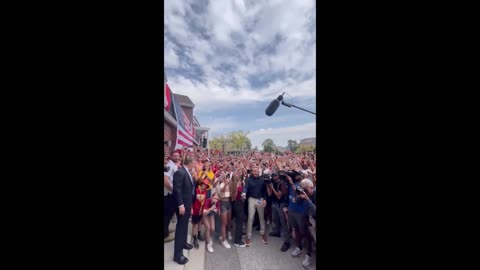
223 189
206 173
210 208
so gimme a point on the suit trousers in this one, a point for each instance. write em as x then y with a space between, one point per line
181 231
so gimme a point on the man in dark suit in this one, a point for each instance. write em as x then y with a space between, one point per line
183 192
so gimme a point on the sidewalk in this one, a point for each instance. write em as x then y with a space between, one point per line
196 258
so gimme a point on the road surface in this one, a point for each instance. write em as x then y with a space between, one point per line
257 256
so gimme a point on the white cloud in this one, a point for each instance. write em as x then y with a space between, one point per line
171 57
220 125
228 22
233 41
280 136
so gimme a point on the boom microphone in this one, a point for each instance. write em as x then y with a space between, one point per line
272 108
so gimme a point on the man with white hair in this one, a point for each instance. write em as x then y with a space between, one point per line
309 195
297 209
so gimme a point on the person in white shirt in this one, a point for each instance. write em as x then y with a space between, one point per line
169 202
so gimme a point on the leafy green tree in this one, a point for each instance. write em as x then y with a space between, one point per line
239 140
268 145
292 145
234 141
217 142
303 149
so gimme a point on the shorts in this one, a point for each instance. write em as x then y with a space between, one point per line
225 207
298 221
196 219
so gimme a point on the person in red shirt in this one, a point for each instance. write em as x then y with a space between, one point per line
197 208
211 207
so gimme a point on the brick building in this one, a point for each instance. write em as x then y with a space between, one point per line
170 124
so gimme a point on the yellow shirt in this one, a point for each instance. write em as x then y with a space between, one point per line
210 175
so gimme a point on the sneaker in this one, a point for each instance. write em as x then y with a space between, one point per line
230 236
210 248
285 247
264 239
248 242
241 244
195 244
225 244
307 262
296 252
274 234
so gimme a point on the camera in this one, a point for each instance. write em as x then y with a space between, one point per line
267 178
299 191
166 168
283 174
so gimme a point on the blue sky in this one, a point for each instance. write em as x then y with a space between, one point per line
232 58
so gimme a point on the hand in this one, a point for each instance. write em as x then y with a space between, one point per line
285 210
191 212
303 196
264 203
290 180
181 209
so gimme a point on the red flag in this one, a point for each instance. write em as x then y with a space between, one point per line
168 97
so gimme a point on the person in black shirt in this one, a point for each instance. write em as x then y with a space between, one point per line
256 188
278 194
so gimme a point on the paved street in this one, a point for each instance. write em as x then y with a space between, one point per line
257 256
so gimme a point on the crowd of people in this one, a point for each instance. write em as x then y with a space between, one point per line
265 191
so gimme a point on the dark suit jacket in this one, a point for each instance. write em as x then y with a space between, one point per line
182 188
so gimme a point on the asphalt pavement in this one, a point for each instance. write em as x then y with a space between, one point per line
258 256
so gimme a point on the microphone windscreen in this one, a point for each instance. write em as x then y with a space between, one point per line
272 107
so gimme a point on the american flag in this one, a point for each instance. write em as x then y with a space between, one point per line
185 131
